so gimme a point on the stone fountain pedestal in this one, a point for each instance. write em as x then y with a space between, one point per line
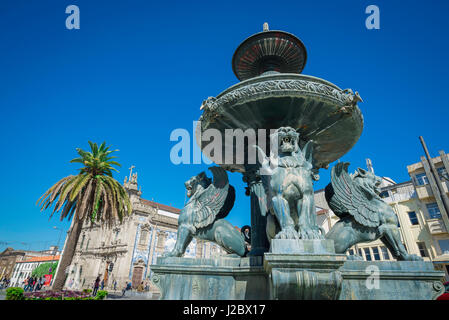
304 269
295 270
222 278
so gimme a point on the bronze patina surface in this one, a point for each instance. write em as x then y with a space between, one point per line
308 104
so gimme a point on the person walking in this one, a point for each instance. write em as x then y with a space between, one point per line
41 282
102 284
25 284
36 284
96 285
126 288
30 284
140 287
33 284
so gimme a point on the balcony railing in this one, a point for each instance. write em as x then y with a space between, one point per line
400 196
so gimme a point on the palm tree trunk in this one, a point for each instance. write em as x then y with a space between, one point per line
67 255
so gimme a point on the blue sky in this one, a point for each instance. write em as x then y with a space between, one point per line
137 70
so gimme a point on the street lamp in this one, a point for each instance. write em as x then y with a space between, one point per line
57 247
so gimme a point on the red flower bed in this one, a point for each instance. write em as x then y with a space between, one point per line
57 295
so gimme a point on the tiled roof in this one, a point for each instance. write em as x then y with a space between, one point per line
161 206
41 259
322 211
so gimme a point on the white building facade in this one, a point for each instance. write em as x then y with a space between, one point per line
24 269
125 253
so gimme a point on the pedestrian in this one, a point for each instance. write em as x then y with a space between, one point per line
124 289
36 284
29 283
127 288
140 287
96 285
41 282
115 285
102 284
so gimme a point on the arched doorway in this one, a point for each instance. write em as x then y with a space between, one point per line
137 273
137 276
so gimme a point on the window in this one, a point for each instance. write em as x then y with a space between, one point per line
421 179
376 253
351 252
367 254
444 246
143 237
384 194
360 253
384 253
442 173
434 211
422 249
413 218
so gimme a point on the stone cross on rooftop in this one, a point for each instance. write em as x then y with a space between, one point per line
131 171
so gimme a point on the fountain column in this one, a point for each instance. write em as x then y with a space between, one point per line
259 241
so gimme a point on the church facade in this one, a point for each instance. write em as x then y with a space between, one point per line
126 253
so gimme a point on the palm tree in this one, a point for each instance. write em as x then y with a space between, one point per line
92 195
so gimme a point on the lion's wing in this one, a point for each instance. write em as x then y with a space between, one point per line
215 200
348 198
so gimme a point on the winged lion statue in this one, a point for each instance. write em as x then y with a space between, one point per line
364 215
202 216
288 184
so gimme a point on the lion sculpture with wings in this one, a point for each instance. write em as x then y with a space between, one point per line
288 183
202 216
364 216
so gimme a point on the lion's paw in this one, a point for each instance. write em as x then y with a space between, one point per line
173 253
311 233
288 233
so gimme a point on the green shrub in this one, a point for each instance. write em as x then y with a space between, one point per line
14 293
101 294
43 269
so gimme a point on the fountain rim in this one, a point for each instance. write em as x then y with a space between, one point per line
278 76
335 96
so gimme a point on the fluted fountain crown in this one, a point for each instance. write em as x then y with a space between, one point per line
269 51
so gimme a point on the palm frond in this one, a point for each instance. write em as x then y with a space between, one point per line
93 194
79 185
